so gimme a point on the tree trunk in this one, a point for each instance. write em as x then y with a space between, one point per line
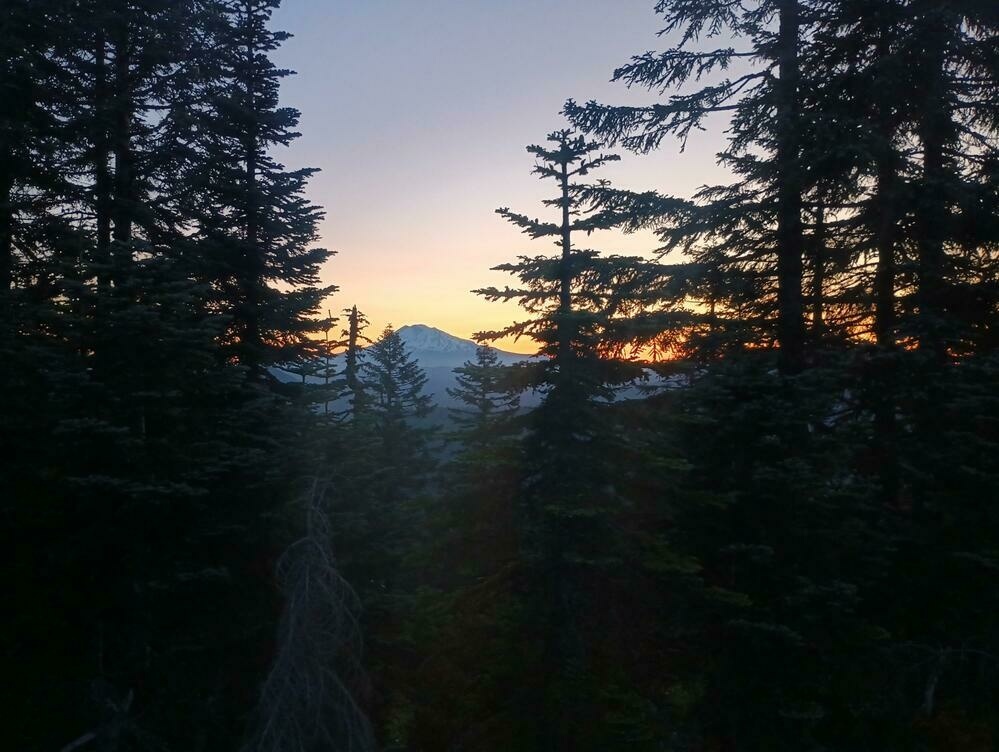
6 227
253 271
790 243
565 275
935 129
558 719
884 275
886 219
353 347
101 158
818 247
124 199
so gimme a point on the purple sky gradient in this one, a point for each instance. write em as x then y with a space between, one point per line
418 114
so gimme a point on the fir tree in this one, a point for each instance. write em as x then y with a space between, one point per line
872 156
393 385
353 343
255 226
489 400
149 476
568 499
384 463
32 159
754 228
463 618
380 509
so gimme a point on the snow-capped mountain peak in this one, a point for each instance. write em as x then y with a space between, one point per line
436 351
423 338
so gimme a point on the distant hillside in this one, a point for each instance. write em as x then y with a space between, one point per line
439 353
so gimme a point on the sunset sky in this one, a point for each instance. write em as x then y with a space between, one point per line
418 114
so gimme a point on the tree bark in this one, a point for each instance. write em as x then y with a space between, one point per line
101 158
818 247
253 267
790 241
934 130
885 202
121 125
565 274
6 228
353 347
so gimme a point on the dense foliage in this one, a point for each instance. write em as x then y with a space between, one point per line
155 260
785 539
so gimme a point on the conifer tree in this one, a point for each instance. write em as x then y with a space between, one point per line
489 400
308 700
480 482
150 473
754 228
255 226
134 69
463 617
384 463
353 343
32 157
393 384
567 499
880 156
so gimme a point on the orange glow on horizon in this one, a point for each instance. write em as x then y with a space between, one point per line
409 183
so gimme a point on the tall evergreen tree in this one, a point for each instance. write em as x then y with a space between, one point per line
567 499
750 234
148 478
353 343
255 226
32 158
393 384
873 156
463 619
380 511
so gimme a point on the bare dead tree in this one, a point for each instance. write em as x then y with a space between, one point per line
307 703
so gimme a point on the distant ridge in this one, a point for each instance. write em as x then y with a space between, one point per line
439 353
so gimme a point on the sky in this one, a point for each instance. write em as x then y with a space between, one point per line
418 114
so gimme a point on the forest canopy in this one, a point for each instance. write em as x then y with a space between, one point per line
742 498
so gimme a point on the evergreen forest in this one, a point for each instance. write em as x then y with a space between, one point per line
751 506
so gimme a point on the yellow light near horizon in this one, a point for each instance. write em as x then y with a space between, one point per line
397 279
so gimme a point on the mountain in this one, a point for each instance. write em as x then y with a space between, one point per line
439 353
434 348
